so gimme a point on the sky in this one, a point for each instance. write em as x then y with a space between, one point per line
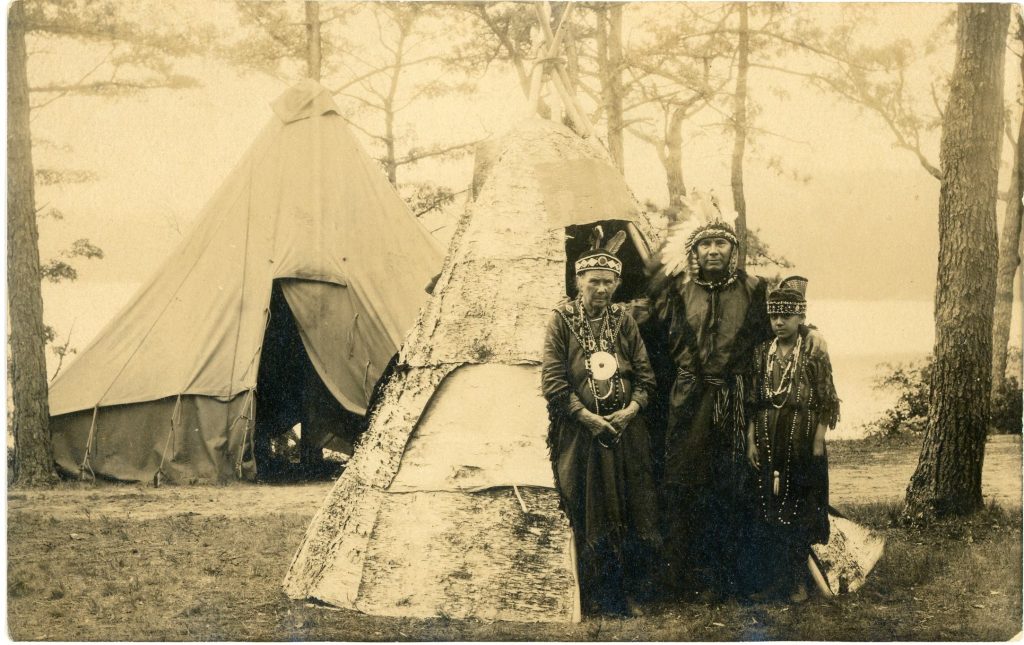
863 227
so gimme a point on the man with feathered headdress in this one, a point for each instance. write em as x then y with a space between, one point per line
712 315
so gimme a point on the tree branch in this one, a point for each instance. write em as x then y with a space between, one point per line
414 157
65 92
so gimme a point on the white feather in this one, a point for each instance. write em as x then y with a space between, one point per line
698 210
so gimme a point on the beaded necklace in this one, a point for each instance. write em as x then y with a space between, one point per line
788 371
715 285
593 345
785 509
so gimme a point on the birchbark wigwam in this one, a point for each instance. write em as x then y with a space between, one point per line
947 480
33 458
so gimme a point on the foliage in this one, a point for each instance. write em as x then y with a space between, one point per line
368 53
910 412
59 268
498 32
1007 403
122 50
912 383
424 197
130 48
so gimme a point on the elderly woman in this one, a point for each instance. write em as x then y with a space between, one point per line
596 379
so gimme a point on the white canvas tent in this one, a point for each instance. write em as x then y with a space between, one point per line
448 506
305 237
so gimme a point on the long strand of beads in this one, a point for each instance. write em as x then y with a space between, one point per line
788 468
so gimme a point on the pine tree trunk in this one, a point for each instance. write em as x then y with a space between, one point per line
33 457
947 480
740 142
1009 258
314 61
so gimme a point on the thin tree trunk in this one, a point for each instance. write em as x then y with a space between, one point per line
740 126
672 159
1009 256
314 62
608 41
391 160
614 95
572 57
33 456
947 480
1009 262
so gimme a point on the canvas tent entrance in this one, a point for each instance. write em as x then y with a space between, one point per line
448 506
171 383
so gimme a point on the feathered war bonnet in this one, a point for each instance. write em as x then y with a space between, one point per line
699 219
790 298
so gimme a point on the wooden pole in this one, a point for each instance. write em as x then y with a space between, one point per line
560 78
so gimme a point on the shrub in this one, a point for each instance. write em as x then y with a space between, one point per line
1007 408
911 381
910 412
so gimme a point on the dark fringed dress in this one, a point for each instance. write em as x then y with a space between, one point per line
790 491
608 493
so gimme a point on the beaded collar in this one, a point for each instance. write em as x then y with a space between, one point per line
716 285
600 337
595 342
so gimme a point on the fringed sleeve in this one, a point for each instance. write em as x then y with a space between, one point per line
828 399
562 399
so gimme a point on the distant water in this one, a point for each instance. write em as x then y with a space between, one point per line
854 376
860 335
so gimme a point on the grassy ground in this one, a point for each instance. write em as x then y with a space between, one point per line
122 574
186 577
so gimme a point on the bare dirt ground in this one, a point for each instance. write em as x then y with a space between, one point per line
883 475
130 562
857 478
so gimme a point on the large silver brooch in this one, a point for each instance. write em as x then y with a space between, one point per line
603 365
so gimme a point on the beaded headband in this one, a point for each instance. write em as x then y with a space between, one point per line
599 260
786 307
713 229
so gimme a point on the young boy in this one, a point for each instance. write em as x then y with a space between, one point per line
791 402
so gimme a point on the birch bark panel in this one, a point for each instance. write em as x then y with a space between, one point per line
495 315
346 517
379 453
329 563
465 555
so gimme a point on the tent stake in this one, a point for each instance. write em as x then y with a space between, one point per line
88 447
522 504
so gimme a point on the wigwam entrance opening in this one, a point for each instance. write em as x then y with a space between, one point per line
633 253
